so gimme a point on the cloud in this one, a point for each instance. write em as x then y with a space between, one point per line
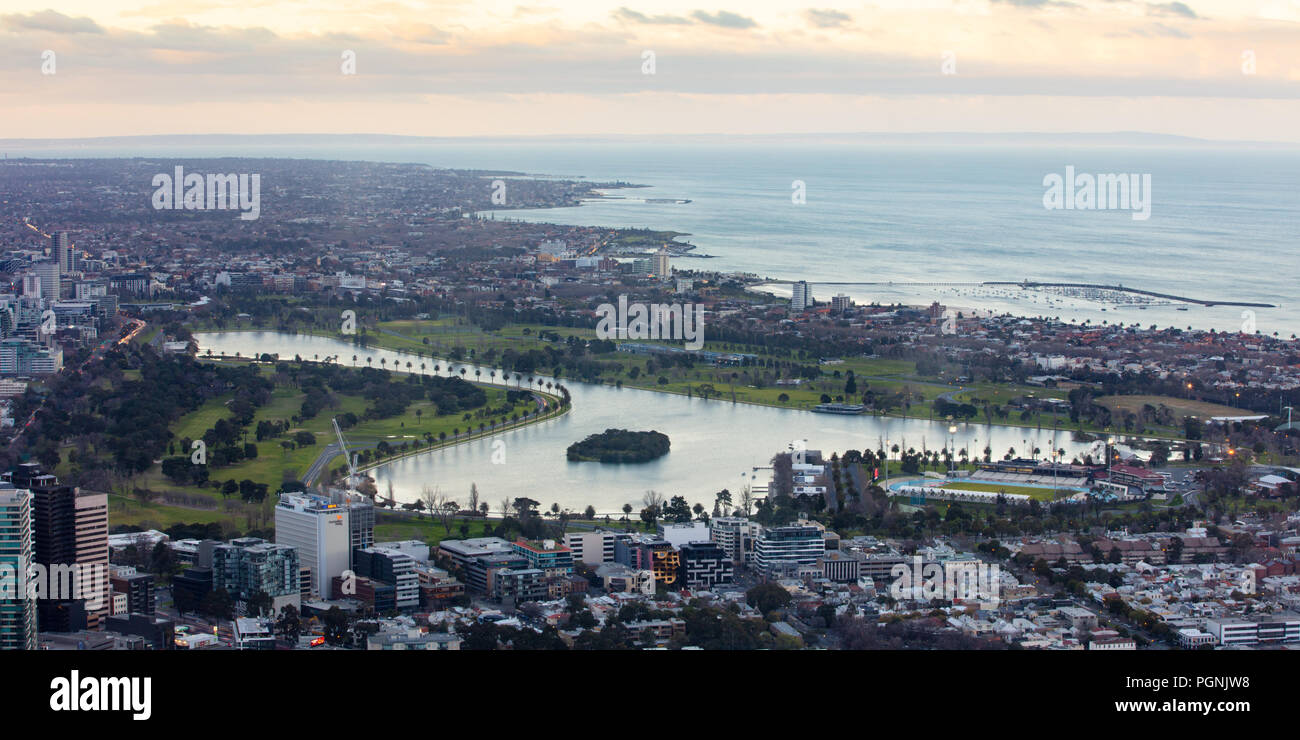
631 16
1037 3
1160 29
1174 8
724 19
50 20
827 18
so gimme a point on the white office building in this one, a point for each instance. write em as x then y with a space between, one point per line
322 533
788 546
663 265
683 533
736 535
592 548
48 273
1235 631
800 297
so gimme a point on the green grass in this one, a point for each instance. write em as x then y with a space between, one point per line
153 515
195 423
275 463
1042 494
392 528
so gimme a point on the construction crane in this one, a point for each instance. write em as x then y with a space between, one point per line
343 445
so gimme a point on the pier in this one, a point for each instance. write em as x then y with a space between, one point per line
1033 284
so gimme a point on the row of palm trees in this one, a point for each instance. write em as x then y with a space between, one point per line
536 382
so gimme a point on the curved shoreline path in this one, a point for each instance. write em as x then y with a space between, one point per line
715 444
332 450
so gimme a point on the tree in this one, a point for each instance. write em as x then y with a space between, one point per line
723 500
288 625
746 499
258 604
217 604
767 596
678 510
447 513
336 626
162 560
653 500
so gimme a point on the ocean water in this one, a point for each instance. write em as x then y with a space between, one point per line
1224 225
1224 222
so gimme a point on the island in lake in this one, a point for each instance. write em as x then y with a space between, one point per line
620 446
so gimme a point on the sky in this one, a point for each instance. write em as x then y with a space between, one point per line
1226 70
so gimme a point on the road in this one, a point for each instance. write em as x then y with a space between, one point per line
95 354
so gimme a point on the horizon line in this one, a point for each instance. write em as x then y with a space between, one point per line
1150 136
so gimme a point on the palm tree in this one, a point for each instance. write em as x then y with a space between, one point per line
370 361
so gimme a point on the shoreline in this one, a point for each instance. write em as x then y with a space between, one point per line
652 389
557 410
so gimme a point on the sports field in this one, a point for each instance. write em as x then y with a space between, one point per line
1042 494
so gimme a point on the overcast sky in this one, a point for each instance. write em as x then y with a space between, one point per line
1219 69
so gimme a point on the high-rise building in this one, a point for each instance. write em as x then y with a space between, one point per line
841 303
65 253
653 554
800 297
69 530
593 548
736 535
247 566
361 521
321 532
662 264
705 565
136 587
32 286
23 357
394 568
794 545
48 273
546 555
553 560
17 614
